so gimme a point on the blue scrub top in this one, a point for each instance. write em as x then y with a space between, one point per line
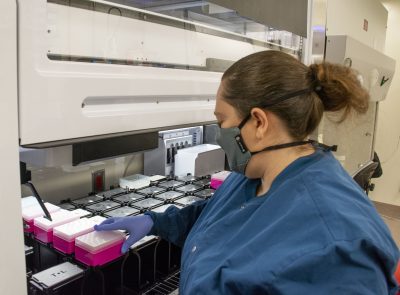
313 232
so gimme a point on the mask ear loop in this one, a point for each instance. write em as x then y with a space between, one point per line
325 147
238 138
244 121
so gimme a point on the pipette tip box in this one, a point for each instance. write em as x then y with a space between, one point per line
43 227
31 212
64 235
218 178
98 248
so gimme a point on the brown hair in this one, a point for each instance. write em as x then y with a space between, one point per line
264 77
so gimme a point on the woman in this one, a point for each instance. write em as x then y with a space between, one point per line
290 220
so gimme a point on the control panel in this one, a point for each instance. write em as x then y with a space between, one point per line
161 160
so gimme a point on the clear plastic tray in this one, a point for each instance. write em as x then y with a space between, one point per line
169 196
185 201
112 193
121 212
162 208
205 194
128 198
86 201
103 206
152 190
187 178
171 184
81 213
147 203
189 188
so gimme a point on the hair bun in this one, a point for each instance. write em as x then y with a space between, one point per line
338 88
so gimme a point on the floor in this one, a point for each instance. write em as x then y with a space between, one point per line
391 215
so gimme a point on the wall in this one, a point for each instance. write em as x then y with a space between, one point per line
67 182
387 187
12 265
347 17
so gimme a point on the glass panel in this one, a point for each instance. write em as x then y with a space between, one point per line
193 35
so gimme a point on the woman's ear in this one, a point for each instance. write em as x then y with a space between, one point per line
260 120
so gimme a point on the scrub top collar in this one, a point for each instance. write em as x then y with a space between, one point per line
291 170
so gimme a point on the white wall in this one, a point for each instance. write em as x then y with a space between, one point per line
387 187
346 17
68 182
12 266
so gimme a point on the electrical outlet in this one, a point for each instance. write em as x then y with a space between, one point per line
98 181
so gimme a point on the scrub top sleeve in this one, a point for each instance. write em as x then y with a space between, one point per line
350 267
175 224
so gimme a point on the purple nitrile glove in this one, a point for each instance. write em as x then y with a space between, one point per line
137 226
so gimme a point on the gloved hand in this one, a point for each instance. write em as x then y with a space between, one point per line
137 226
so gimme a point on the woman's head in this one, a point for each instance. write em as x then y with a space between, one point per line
263 78
270 98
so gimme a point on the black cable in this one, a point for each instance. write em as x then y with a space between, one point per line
122 272
102 281
83 284
155 259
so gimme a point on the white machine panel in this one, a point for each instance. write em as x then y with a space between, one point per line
355 136
70 98
375 69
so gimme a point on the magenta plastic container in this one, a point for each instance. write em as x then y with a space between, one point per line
98 248
64 235
32 211
43 228
218 178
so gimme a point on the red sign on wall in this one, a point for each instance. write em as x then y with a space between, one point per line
365 27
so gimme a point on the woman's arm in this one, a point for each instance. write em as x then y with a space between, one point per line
174 224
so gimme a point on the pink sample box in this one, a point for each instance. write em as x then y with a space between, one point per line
28 201
64 235
99 247
29 213
218 178
43 228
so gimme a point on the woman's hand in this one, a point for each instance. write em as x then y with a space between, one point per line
137 226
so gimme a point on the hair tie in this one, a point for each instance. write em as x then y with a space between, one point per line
315 84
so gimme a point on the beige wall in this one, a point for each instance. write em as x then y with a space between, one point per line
387 187
346 17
